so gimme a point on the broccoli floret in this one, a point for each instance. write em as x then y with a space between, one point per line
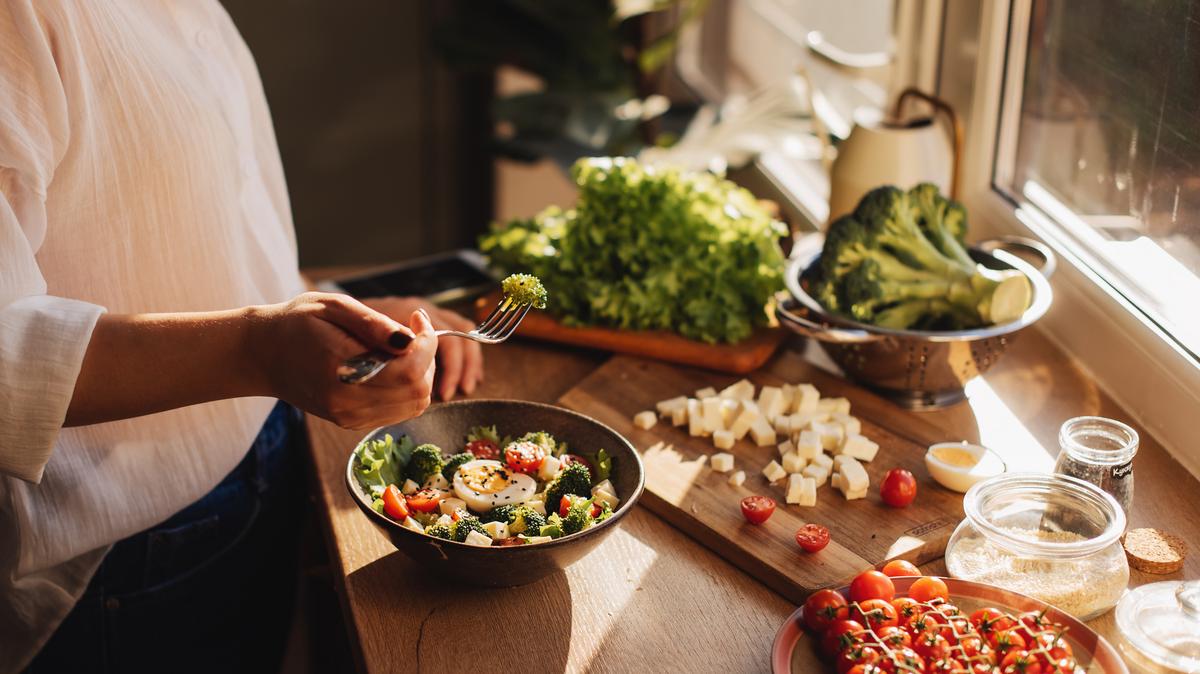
454 462
502 513
898 262
579 516
524 289
574 480
426 461
520 518
465 525
553 526
541 439
440 531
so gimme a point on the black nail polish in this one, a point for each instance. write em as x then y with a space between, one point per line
399 340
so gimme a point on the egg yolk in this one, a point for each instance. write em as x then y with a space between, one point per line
955 457
486 479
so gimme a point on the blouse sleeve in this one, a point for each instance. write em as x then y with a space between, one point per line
42 338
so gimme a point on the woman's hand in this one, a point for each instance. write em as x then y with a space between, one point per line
461 360
299 345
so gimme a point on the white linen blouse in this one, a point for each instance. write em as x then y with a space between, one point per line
138 173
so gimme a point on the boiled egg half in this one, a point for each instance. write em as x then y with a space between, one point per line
485 484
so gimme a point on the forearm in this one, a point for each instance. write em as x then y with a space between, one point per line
139 364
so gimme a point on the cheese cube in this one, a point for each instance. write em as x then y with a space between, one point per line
496 530
803 420
851 425
742 390
706 392
854 476
549 468
534 540
770 401
745 419
834 405
855 495
645 420
818 473
695 418
823 460
721 462
723 439
762 432
476 538
437 481
729 411
805 399
859 447
605 496
789 394
737 478
666 407
410 523
785 447
831 434
774 472
801 490
783 425
793 462
842 459
710 408
679 416
447 506
410 487
808 444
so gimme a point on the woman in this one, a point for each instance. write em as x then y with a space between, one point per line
151 314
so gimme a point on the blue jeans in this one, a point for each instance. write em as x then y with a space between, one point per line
209 590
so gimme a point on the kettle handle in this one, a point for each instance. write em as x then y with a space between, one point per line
939 105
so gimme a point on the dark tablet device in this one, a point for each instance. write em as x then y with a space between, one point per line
442 278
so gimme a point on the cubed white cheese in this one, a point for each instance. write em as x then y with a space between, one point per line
762 433
854 476
737 478
534 540
476 538
711 410
831 434
496 530
721 462
445 519
851 425
834 405
823 460
783 425
723 439
410 487
808 445
795 488
789 394
604 485
538 505
818 473
679 416
770 401
645 420
667 407
745 419
805 398
706 392
859 447
855 495
742 390
785 447
729 410
437 481
774 472
410 523
447 506
808 492
695 418
605 496
793 462
549 468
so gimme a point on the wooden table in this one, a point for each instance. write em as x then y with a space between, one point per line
650 598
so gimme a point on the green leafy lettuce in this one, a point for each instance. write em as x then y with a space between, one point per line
381 462
648 248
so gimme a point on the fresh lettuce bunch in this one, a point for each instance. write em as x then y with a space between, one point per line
381 462
648 248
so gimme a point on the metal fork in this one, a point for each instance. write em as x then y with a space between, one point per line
497 327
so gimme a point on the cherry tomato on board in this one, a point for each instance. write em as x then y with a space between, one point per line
928 588
484 449
812 537
424 501
758 509
821 609
898 488
872 584
524 457
393 503
900 567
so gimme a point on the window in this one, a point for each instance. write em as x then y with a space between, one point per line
1103 137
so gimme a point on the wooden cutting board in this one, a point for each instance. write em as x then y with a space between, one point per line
745 356
701 502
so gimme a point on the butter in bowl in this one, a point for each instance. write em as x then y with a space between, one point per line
959 465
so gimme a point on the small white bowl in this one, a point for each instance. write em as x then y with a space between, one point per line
960 478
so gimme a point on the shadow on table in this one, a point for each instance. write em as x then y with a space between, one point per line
464 628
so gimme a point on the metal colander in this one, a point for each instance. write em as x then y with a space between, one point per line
916 369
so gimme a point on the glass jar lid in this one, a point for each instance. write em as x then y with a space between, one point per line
1162 621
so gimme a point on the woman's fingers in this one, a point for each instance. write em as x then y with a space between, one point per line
471 371
452 354
373 328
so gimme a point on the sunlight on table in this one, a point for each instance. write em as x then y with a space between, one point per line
1002 431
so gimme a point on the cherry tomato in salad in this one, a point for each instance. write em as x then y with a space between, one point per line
393 503
841 634
758 509
874 613
524 457
425 500
898 488
1020 661
511 540
821 609
812 537
568 459
900 567
928 588
872 585
484 449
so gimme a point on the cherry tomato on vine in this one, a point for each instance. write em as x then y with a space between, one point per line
841 634
900 567
928 588
821 609
872 585
874 613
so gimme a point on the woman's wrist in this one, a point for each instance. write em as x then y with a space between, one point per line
257 343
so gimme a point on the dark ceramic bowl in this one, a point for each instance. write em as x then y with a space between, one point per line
446 426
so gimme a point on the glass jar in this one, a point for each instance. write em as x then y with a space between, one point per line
1052 537
1100 451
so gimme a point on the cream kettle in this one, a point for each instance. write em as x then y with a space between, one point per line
896 151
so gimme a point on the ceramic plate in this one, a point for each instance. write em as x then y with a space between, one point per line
796 648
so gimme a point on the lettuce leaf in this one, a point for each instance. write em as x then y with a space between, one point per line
381 462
